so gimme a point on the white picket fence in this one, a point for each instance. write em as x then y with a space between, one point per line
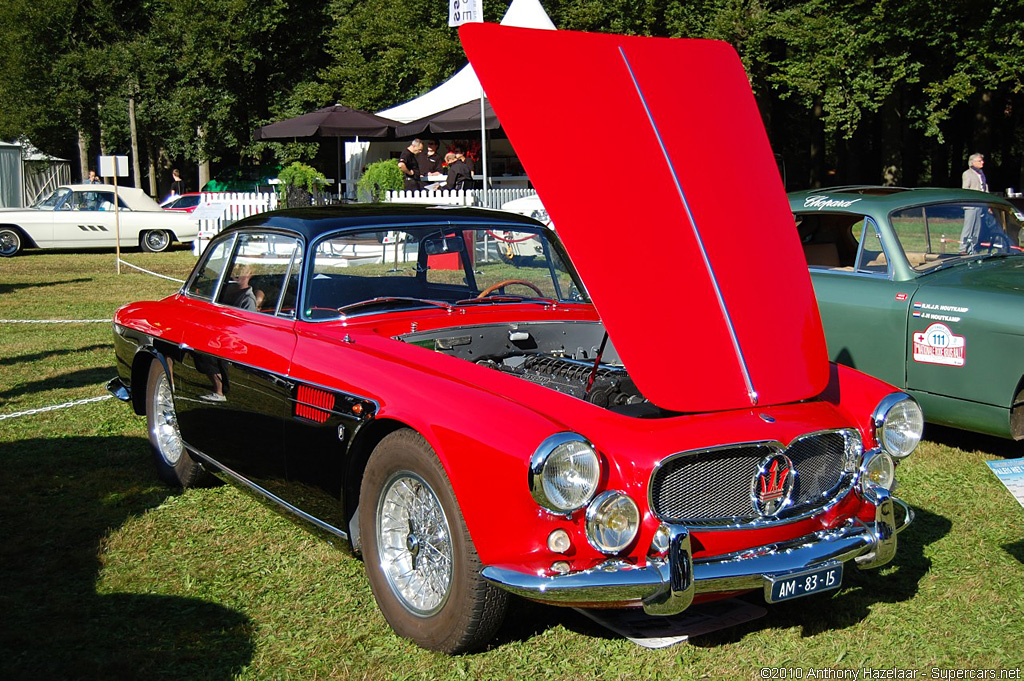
463 197
218 210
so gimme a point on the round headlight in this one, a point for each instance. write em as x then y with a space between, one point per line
564 473
878 471
899 423
612 522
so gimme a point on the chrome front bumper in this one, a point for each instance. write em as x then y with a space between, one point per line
668 586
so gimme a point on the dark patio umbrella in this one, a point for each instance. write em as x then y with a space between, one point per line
331 121
461 118
336 121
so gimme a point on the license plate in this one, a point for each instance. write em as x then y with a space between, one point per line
797 584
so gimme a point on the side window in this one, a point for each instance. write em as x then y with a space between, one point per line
258 272
204 282
871 256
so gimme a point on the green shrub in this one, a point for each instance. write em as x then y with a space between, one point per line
299 182
379 178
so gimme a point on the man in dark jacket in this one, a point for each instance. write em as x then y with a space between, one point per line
409 166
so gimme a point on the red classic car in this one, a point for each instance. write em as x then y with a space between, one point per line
617 430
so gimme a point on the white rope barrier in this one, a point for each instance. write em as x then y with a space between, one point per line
162 276
65 405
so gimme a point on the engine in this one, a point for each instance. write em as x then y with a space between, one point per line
611 385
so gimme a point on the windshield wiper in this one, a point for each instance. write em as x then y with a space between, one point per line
386 302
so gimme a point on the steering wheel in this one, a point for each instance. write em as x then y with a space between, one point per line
508 282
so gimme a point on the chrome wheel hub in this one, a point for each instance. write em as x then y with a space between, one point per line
165 423
414 544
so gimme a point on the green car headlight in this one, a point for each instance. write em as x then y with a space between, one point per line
899 424
564 472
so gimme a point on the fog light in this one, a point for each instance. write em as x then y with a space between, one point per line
560 566
659 545
612 522
558 541
879 470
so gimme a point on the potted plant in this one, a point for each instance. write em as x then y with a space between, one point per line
298 183
379 178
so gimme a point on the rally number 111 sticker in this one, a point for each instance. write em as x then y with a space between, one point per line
938 345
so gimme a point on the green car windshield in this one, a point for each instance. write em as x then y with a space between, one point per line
936 234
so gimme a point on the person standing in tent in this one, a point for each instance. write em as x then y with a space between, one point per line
410 167
429 160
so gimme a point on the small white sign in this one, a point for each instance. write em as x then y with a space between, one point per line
1011 473
464 12
113 166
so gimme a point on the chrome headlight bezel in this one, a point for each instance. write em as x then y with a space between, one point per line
898 424
547 465
600 534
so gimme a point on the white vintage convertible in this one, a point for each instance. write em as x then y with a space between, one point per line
83 216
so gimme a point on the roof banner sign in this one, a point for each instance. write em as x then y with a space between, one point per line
464 11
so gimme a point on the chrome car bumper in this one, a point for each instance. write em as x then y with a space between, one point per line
119 390
668 586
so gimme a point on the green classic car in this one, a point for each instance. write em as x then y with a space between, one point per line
923 288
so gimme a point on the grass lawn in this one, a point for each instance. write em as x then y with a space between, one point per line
106 573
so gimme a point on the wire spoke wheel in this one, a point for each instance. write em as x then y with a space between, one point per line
414 543
164 429
420 559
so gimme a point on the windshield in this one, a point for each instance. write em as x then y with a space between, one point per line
53 200
937 234
353 273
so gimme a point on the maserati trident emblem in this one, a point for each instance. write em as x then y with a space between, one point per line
772 487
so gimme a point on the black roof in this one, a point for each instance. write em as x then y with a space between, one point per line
316 220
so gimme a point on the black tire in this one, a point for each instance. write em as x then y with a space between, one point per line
156 241
406 505
174 465
10 242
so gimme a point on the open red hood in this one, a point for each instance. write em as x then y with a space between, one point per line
651 159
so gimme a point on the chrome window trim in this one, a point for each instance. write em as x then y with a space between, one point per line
550 240
847 481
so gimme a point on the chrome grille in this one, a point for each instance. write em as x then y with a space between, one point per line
713 487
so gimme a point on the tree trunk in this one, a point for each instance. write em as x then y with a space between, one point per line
136 169
204 174
152 168
83 154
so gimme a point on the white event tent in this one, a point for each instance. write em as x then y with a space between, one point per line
463 87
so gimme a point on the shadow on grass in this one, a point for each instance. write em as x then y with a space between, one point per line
59 499
893 583
8 288
1016 549
970 442
848 607
97 376
37 356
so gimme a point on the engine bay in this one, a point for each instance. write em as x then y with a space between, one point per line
574 358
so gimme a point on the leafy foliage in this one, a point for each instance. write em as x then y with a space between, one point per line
850 91
379 178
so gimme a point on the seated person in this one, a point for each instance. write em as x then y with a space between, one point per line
239 293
